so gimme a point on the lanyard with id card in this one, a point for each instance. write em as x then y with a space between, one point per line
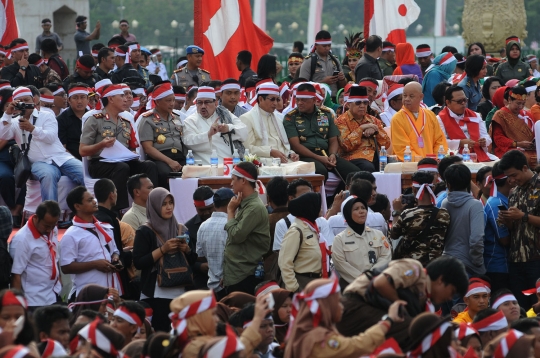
419 137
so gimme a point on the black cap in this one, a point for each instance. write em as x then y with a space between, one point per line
358 91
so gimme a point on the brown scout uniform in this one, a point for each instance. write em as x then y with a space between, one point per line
337 345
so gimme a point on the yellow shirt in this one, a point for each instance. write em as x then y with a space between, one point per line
531 313
463 317
402 134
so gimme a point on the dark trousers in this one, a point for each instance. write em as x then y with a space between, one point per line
160 315
364 164
498 280
7 186
523 276
247 285
119 174
163 169
343 167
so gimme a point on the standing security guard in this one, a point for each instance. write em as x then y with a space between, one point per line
191 74
160 133
313 134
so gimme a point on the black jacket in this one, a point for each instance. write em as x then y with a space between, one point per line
69 131
145 243
124 72
102 73
32 76
367 66
76 78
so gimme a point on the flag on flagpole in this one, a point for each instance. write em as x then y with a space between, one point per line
8 23
314 20
389 18
440 18
259 14
224 28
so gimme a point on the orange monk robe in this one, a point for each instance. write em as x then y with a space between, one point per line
402 134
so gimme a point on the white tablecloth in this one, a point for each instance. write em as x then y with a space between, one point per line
389 184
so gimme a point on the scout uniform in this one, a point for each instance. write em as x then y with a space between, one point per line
166 136
185 77
351 252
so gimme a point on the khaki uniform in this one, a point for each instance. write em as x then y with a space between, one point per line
323 69
336 345
100 126
250 338
183 77
350 252
307 253
386 67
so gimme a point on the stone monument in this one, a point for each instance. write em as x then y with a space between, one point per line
492 21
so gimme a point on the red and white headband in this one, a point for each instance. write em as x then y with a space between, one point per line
178 320
422 188
323 42
491 179
22 92
135 47
18 351
230 86
101 84
52 349
163 91
368 84
447 59
157 53
19 47
180 97
11 299
139 91
225 347
268 88
507 343
428 168
203 203
180 64
388 48
532 59
494 322
241 173
120 52
136 103
269 287
351 99
113 90
3 52
206 92
423 52
532 290
58 91
128 316
39 63
305 94
395 91
85 68
430 340
77 90
92 334
504 298
464 330
283 88
46 98
476 288
95 53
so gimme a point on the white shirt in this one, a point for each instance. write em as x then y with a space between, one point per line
281 229
387 115
211 239
162 70
374 220
32 260
45 145
196 136
453 144
80 245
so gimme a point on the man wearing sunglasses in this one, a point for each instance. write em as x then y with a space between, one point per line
462 126
83 38
266 135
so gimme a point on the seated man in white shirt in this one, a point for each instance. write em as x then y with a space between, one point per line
35 261
46 153
266 135
463 126
212 128
83 249
393 103
295 189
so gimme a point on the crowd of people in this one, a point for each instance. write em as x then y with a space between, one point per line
453 270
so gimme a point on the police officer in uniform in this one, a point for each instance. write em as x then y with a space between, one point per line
84 73
101 131
387 61
160 133
313 135
124 68
191 74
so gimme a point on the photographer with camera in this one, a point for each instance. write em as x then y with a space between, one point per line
38 130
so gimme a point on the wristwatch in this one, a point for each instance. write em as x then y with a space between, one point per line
23 68
396 213
387 318
525 218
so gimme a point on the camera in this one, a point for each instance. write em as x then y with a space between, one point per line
21 106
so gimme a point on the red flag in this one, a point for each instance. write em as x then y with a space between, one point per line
389 18
8 22
224 28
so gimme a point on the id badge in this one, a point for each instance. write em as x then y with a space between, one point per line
421 142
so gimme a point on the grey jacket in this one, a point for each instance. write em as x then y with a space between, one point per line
465 235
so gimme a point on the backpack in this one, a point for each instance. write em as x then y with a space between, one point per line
64 71
5 265
271 266
314 57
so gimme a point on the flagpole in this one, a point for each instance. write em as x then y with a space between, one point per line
259 14
440 18
314 20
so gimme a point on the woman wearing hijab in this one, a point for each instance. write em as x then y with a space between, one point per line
443 67
148 250
405 61
303 256
313 333
498 102
431 336
358 248
513 68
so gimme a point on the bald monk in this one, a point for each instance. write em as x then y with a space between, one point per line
415 126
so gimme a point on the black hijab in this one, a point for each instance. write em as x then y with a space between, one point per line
347 214
307 206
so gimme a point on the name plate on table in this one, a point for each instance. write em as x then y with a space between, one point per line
200 171
292 168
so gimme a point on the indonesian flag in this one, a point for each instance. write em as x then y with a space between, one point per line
224 28
8 22
389 18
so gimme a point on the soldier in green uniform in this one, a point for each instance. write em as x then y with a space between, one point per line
387 61
191 74
513 68
160 133
313 135
102 130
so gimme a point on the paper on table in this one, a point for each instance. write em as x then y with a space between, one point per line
117 153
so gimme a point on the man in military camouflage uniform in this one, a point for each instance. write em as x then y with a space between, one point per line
101 131
191 74
421 229
160 133
387 61
313 135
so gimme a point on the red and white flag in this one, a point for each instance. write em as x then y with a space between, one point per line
9 30
389 18
222 29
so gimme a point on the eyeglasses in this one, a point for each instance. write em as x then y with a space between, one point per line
273 99
206 103
360 103
460 101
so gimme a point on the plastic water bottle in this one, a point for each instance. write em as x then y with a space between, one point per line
440 154
259 271
466 153
246 153
190 159
407 155
383 159
214 162
235 158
